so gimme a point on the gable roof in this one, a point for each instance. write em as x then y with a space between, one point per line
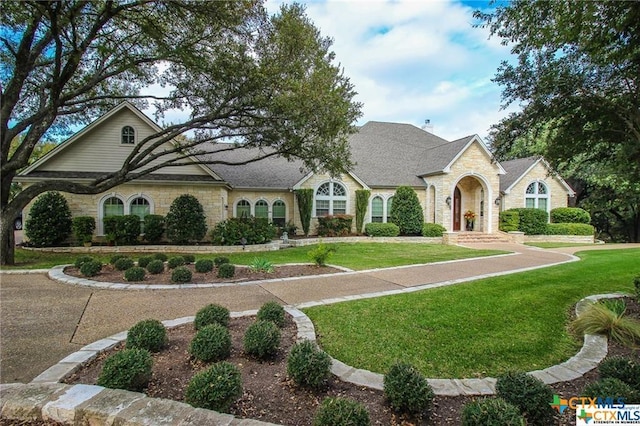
518 169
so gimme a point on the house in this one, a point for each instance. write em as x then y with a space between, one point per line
450 177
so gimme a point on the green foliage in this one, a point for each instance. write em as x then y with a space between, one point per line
212 342
254 230
219 260
204 265
375 229
91 268
149 334
81 260
128 369
406 211
123 229
621 368
215 388
336 411
260 264
321 253
432 230
335 225
599 318
509 220
362 203
407 390
49 221
188 258
226 270
113 259
636 285
143 261
185 221
135 273
308 365
569 229
491 412
83 227
155 266
529 394
262 339
181 274
123 263
272 311
570 215
532 221
212 314
153 228
160 256
612 388
305 207
175 261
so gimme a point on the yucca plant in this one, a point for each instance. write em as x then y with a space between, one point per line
260 264
608 318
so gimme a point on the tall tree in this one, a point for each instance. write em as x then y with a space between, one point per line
577 78
244 77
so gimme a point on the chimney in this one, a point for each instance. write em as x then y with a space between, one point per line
427 126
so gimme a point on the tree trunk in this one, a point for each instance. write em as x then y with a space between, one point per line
7 241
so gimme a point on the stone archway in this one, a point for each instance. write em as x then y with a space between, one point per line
473 197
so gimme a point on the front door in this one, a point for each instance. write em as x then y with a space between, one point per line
456 209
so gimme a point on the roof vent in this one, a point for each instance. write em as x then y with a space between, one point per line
427 126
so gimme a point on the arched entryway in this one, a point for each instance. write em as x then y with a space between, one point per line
470 196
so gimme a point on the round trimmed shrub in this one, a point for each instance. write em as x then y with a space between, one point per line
211 343
91 268
219 260
532 221
407 390
155 267
181 274
116 257
212 314
83 227
375 229
129 369
570 215
491 412
174 262
529 394
308 365
226 270
406 211
135 273
189 258
185 221
81 260
432 230
262 339
149 334
143 261
160 256
215 388
621 368
123 264
341 412
153 228
49 221
272 311
611 388
204 265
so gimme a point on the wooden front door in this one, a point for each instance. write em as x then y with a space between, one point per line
456 209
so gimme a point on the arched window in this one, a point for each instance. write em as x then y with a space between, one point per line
140 207
331 198
279 213
128 135
377 209
389 203
243 209
262 209
537 196
112 206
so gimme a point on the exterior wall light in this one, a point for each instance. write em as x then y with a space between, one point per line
448 201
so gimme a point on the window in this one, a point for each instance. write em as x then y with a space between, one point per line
128 135
389 203
331 198
279 213
140 207
243 209
537 196
112 206
262 209
377 207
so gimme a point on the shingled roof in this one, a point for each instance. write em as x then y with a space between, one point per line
515 169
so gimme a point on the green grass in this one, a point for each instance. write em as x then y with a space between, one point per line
357 256
559 245
481 328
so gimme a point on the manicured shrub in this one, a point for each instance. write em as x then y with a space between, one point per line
149 334
204 265
375 229
272 311
143 261
129 369
334 225
189 258
130 229
185 221
569 229
254 230
91 268
570 215
509 220
432 230
49 221
532 221
160 256
211 343
362 203
529 394
83 227
621 368
215 388
304 197
116 257
212 314
219 260
155 267
262 339
226 270
407 390
308 365
321 253
406 211
123 264
181 274
153 228
135 273
491 412
175 261
81 260
612 388
341 412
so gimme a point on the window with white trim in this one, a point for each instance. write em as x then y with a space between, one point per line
128 135
331 199
112 206
279 213
140 207
243 209
262 209
389 203
537 196
377 209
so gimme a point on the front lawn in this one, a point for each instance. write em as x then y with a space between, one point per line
476 329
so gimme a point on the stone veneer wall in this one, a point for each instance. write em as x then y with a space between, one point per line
516 197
